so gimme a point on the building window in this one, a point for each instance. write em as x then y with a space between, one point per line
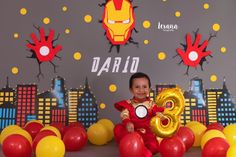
196 88
196 83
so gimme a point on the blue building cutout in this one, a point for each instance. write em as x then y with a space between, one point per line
58 90
87 108
196 89
226 108
7 115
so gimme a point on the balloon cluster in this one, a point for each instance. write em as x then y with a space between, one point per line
42 140
178 144
215 140
132 144
101 133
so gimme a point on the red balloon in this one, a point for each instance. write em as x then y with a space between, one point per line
40 136
215 126
132 145
216 147
33 128
75 139
77 124
187 136
16 145
60 127
74 124
172 147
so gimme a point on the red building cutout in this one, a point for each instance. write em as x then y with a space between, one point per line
26 101
59 115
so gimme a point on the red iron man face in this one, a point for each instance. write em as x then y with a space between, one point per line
118 21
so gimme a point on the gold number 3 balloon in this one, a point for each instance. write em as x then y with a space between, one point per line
173 97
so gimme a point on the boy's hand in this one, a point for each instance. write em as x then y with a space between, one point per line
161 116
130 127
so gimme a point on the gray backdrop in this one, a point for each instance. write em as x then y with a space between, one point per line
90 41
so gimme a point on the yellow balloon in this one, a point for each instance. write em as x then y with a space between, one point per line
53 129
176 98
8 130
108 124
231 152
192 123
50 146
97 134
230 133
211 134
198 131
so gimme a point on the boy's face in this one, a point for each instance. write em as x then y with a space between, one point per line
140 88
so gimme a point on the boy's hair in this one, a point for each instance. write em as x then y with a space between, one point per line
139 75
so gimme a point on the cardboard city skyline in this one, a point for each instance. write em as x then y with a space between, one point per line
55 106
58 105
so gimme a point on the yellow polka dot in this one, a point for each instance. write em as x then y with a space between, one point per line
15 70
88 18
177 13
16 35
112 88
102 106
146 42
146 24
77 56
23 11
206 6
161 56
164 0
64 8
67 30
223 49
216 27
46 20
213 78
